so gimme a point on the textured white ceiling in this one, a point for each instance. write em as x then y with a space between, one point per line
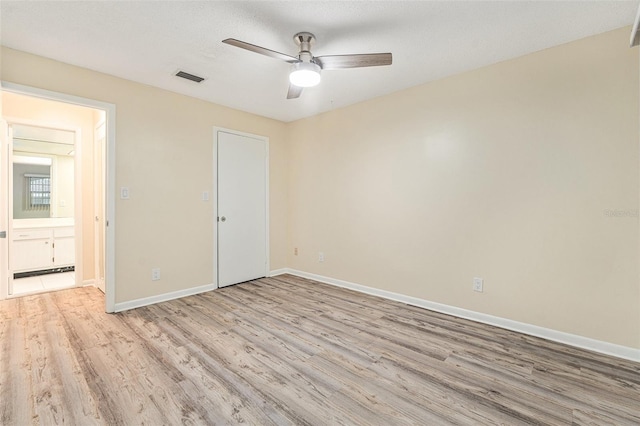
148 41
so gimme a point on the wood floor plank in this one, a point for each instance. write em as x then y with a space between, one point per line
437 400
287 350
46 380
16 402
202 389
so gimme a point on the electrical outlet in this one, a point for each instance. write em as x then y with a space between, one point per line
320 257
478 284
155 274
295 251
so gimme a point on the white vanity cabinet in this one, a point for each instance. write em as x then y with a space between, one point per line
42 248
31 249
64 247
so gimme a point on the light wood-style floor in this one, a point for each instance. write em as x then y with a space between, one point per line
286 350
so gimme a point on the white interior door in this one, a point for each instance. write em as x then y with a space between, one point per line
241 208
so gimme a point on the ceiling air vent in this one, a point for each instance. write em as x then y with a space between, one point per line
189 76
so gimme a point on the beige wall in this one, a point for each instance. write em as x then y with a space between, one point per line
504 173
164 154
45 112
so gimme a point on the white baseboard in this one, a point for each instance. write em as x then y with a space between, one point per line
279 272
87 283
125 306
532 330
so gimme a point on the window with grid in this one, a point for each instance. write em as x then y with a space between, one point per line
38 192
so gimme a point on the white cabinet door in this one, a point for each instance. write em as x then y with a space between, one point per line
64 251
31 254
42 248
242 222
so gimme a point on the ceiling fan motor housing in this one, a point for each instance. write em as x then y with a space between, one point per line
305 40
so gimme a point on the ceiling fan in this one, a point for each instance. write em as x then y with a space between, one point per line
305 68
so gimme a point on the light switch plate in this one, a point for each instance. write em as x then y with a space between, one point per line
124 193
205 196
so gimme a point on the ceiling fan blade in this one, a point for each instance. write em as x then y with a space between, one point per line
294 91
336 62
261 50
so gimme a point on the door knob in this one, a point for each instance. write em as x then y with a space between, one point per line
223 219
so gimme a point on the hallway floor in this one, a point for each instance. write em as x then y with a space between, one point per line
43 283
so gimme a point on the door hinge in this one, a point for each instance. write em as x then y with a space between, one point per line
53 245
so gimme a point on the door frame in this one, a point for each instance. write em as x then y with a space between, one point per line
5 140
265 139
98 216
110 169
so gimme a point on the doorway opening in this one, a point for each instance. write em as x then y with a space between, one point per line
41 201
55 193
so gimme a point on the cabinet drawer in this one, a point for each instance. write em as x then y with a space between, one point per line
31 255
31 234
63 232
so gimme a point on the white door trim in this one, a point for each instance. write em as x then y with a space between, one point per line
216 130
5 148
98 206
110 110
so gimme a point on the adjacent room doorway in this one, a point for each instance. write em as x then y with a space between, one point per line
60 214
241 227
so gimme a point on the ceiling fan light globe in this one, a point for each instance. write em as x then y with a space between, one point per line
305 74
